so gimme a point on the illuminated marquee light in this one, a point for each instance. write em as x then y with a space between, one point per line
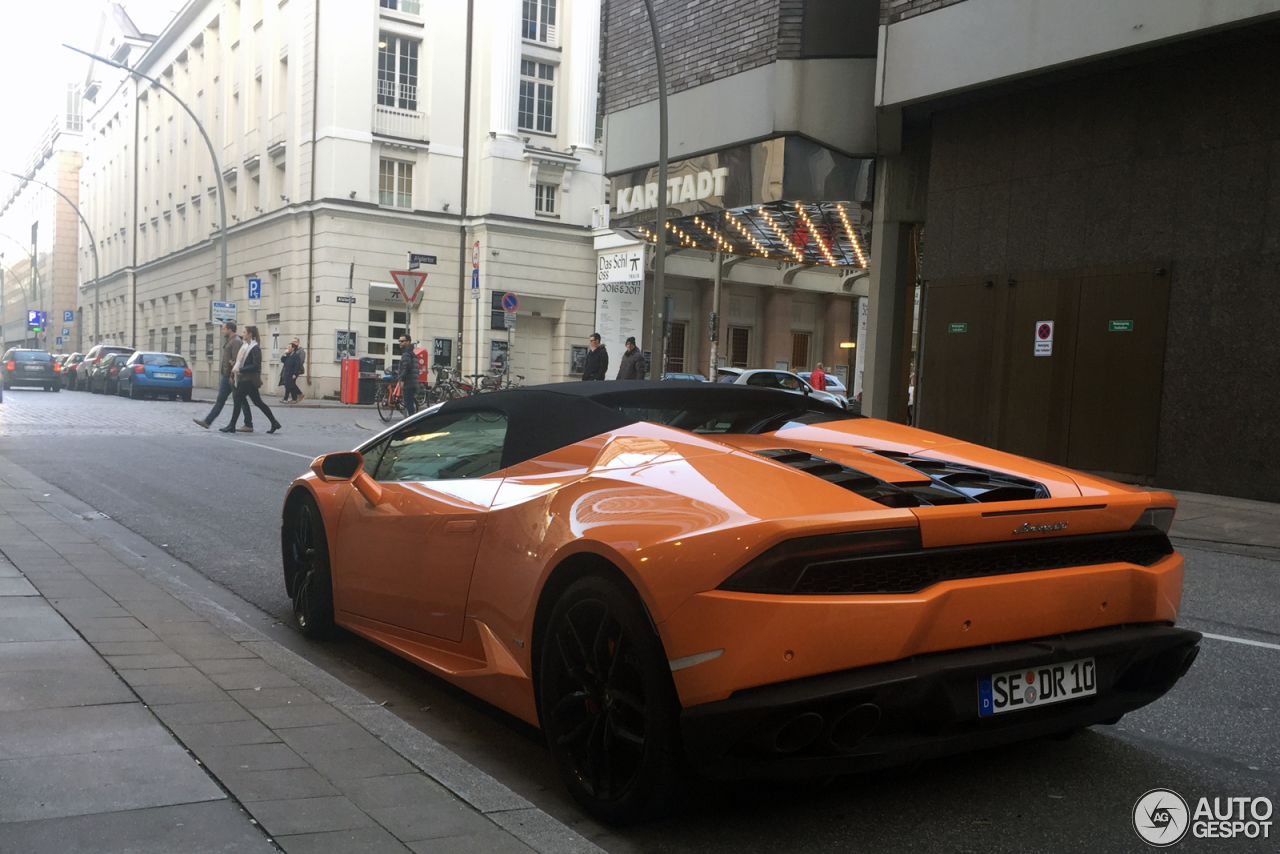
685 239
822 244
721 243
764 253
853 237
778 231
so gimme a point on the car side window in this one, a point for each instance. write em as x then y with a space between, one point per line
789 382
372 457
765 380
445 447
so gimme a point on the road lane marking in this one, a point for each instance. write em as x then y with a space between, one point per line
1242 640
279 450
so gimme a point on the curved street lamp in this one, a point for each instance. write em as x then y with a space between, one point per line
217 167
657 334
93 245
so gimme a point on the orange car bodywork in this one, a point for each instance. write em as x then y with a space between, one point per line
449 575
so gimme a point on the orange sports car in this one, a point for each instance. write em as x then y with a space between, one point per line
738 582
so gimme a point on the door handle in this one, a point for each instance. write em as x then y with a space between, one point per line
464 526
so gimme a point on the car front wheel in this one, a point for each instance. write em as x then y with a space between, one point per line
305 550
608 704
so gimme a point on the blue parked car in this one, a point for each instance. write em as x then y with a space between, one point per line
154 374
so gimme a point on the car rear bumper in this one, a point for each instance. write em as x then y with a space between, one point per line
41 379
142 380
924 706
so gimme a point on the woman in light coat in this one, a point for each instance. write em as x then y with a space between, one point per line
246 377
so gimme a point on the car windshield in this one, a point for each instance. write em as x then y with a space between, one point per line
163 360
32 356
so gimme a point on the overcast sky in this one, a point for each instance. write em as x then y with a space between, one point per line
35 68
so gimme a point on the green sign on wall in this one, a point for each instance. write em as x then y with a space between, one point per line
1120 326
958 327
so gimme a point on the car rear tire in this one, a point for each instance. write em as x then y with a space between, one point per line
186 397
608 704
57 387
135 393
305 550
173 396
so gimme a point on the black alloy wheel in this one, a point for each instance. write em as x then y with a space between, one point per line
305 550
608 704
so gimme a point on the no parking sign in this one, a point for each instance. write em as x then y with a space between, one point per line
1044 338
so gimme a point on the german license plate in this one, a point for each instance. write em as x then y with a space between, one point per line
1036 686
165 376
34 367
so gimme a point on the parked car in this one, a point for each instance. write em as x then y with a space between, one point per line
694 377
91 360
104 379
69 364
785 380
833 384
930 594
152 374
30 368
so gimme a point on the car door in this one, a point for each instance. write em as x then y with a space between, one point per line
407 560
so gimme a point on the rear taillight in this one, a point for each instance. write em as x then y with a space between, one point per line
57 368
186 372
137 369
11 366
779 569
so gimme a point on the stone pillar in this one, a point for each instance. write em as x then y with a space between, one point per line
777 327
837 326
504 21
901 182
707 289
584 73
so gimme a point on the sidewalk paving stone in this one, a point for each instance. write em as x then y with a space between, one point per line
205 828
301 815
366 840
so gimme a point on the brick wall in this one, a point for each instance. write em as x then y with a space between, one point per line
893 11
703 41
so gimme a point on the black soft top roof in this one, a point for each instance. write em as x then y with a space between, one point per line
541 419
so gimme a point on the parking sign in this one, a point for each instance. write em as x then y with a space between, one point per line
68 316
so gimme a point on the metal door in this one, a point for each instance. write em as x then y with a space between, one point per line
955 375
1119 372
1036 405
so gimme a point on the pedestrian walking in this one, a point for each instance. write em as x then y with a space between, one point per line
230 350
248 378
631 367
290 370
818 378
597 364
408 376
302 365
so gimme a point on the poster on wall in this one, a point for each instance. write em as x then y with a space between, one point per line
860 353
619 300
441 352
498 353
578 359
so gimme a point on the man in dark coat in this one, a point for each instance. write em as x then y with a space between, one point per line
597 364
632 365
408 375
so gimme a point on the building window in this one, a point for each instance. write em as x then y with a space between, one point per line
539 21
395 183
799 351
544 199
739 339
537 95
397 72
675 348
208 345
413 7
177 340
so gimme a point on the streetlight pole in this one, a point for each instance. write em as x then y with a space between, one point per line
217 168
657 361
93 246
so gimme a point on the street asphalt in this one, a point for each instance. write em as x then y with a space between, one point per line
211 502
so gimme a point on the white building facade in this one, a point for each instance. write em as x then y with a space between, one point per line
341 131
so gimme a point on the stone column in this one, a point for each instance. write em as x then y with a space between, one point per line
837 323
777 327
504 48
584 73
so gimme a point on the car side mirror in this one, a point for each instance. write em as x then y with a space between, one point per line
338 467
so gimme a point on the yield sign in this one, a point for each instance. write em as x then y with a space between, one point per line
409 282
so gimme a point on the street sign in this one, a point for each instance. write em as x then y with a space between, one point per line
1044 338
509 320
255 293
475 270
221 312
35 319
59 341
416 259
66 332
510 302
348 300
957 327
1119 325
409 283
68 316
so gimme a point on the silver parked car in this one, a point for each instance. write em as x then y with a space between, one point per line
785 380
